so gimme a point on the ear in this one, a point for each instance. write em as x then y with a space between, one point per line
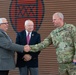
61 19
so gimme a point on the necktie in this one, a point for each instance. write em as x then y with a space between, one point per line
28 38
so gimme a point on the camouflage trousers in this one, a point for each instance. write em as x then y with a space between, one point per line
67 69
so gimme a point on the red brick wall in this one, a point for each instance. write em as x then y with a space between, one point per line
47 59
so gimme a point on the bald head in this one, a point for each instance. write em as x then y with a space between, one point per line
58 19
29 25
28 21
59 14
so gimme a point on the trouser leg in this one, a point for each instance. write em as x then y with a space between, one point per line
72 70
67 69
63 69
4 72
64 73
23 70
33 71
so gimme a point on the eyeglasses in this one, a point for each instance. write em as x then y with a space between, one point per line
4 23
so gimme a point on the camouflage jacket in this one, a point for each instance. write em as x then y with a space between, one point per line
64 40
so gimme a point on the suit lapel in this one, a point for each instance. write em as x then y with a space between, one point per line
24 37
6 35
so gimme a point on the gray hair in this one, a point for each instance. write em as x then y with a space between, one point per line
27 21
59 14
1 20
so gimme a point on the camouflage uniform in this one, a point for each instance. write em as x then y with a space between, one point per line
64 40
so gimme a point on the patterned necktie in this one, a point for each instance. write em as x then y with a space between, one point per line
28 38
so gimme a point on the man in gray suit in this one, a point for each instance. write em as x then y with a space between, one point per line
7 49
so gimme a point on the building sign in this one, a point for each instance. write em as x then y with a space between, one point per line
21 10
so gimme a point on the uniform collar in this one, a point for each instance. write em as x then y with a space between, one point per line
61 28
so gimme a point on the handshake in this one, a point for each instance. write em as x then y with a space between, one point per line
27 48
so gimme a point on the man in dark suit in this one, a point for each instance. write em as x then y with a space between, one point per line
28 62
7 49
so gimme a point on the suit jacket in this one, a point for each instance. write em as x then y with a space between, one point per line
21 39
7 49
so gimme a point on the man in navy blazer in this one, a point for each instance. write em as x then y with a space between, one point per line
7 49
28 62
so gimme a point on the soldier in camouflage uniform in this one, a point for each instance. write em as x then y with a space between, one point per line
64 40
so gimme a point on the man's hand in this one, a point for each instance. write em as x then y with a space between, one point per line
74 60
27 57
27 48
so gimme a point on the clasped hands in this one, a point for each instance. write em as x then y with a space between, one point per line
27 57
27 48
